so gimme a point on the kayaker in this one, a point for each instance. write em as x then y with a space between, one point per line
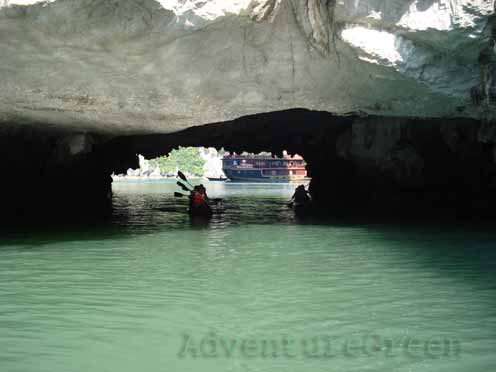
198 198
301 196
203 191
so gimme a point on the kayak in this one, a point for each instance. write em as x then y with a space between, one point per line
302 209
200 211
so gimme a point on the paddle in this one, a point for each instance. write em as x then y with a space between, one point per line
183 186
183 177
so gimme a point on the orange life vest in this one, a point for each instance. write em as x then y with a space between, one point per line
198 199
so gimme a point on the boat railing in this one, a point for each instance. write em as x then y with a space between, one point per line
264 157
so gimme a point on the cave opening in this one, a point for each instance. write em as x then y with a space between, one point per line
257 185
359 165
219 165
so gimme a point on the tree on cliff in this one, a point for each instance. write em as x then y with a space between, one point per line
186 159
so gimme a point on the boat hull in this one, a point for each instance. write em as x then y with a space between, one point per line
203 212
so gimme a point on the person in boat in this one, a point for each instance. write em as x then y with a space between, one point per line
203 191
301 196
198 199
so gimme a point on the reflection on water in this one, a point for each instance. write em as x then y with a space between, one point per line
150 205
254 289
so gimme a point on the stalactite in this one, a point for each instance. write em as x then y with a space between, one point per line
315 18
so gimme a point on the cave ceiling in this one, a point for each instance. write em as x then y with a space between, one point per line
146 66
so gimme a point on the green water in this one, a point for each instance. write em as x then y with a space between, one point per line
255 289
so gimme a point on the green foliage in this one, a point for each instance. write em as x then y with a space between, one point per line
186 159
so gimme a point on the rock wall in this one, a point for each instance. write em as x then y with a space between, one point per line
484 93
52 175
418 167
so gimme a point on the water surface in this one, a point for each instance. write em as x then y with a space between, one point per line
254 289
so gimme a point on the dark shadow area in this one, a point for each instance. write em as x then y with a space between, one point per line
380 167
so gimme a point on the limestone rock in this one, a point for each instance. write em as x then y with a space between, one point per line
141 66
